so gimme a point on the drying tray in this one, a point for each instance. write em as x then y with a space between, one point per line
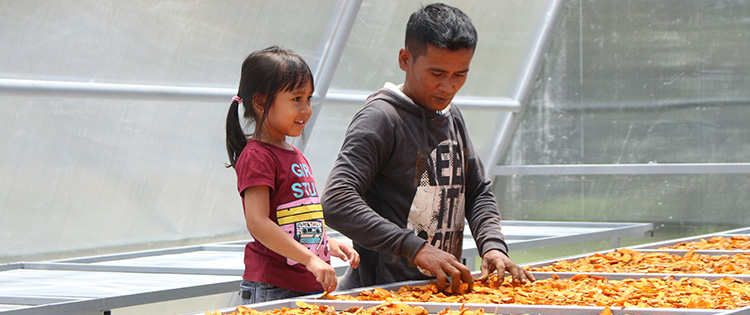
713 276
434 308
737 232
107 282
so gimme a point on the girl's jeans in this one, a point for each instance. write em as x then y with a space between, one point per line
256 292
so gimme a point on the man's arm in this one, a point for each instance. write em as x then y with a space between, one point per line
368 144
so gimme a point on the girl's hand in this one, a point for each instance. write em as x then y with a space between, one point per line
324 273
344 252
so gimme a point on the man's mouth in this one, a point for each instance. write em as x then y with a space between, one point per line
443 99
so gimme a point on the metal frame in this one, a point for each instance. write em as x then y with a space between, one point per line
504 132
520 235
328 63
498 103
323 76
625 169
215 269
434 308
40 88
508 127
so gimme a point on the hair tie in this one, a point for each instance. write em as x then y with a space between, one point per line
237 98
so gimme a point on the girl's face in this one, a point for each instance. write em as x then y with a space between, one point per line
288 115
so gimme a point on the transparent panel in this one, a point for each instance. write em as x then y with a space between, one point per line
146 42
93 176
663 199
327 137
88 174
614 89
638 82
505 29
507 32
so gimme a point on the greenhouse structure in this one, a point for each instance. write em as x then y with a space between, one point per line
602 124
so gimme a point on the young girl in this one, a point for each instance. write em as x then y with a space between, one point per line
291 252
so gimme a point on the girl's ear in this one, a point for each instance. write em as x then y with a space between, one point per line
259 101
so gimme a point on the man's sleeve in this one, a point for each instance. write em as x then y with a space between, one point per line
367 147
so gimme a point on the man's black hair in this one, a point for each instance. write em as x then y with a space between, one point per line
439 25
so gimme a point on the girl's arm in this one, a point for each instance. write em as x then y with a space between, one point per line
272 236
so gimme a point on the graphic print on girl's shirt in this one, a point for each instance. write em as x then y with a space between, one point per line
303 220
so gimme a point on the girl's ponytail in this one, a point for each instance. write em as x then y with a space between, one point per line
236 139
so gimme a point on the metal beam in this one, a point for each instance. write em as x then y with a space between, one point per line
64 89
505 130
85 305
496 103
624 169
328 63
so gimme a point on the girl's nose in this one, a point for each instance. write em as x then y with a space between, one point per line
307 108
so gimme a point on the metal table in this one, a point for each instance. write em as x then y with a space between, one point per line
499 309
107 282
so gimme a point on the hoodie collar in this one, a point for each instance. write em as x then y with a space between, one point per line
409 104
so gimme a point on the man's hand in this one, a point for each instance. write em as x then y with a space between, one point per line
496 260
442 265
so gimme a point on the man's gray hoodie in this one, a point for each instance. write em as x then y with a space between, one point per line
406 176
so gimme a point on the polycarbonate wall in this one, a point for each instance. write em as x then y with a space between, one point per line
510 34
86 173
639 82
89 172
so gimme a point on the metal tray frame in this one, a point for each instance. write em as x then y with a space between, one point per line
434 308
711 276
737 232
178 273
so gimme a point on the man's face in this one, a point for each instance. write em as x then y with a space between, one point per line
434 78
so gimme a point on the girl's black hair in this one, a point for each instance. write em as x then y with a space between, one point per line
264 73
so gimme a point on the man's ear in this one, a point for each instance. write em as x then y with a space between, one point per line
404 58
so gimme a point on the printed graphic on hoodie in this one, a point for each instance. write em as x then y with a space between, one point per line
303 221
437 211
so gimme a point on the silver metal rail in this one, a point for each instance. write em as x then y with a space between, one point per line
40 88
328 63
495 103
505 130
624 169
94 90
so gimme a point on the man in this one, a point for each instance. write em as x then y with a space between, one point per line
407 175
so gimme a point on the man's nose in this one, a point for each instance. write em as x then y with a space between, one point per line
448 85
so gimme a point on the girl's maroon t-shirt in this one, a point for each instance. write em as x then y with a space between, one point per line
294 206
